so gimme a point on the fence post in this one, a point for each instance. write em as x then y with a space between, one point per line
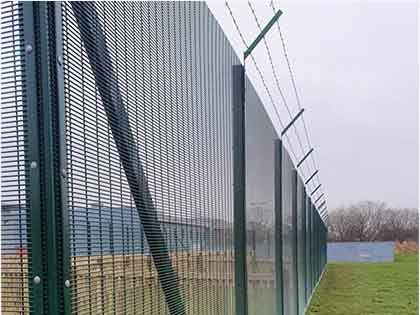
311 244
45 155
239 206
303 237
278 224
34 227
63 227
48 158
295 234
326 246
308 249
315 245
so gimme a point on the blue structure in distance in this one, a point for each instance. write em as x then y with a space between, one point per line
372 252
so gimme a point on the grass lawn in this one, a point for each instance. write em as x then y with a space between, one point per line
369 289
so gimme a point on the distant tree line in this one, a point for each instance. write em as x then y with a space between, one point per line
373 221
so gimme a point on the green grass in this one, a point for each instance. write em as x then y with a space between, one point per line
368 288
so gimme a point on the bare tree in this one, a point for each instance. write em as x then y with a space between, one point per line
340 222
373 221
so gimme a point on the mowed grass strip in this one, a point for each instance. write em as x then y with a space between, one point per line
369 288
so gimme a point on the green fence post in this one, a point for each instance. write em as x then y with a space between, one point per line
326 246
48 186
324 243
53 193
36 275
311 243
320 246
294 234
47 156
317 246
307 250
63 214
319 243
305 257
239 205
278 224
313 247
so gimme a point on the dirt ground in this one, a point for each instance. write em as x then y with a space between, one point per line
406 247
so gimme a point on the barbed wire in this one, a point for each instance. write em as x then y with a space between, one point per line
292 77
278 86
261 77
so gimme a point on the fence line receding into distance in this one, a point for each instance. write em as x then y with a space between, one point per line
119 157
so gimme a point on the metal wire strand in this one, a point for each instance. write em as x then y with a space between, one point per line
292 78
262 79
277 81
266 86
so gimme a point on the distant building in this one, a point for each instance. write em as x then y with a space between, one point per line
101 230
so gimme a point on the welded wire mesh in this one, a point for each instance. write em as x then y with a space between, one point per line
14 230
259 161
288 187
301 253
148 150
308 250
168 69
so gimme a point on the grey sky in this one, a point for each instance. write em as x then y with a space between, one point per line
357 75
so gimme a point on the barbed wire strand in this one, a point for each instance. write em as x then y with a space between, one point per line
292 77
265 85
261 76
277 81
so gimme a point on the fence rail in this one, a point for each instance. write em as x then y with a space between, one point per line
139 176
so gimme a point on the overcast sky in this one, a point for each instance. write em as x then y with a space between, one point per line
356 71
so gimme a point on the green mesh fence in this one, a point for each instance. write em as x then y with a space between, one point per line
15 266
260 204
148 138
117 169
